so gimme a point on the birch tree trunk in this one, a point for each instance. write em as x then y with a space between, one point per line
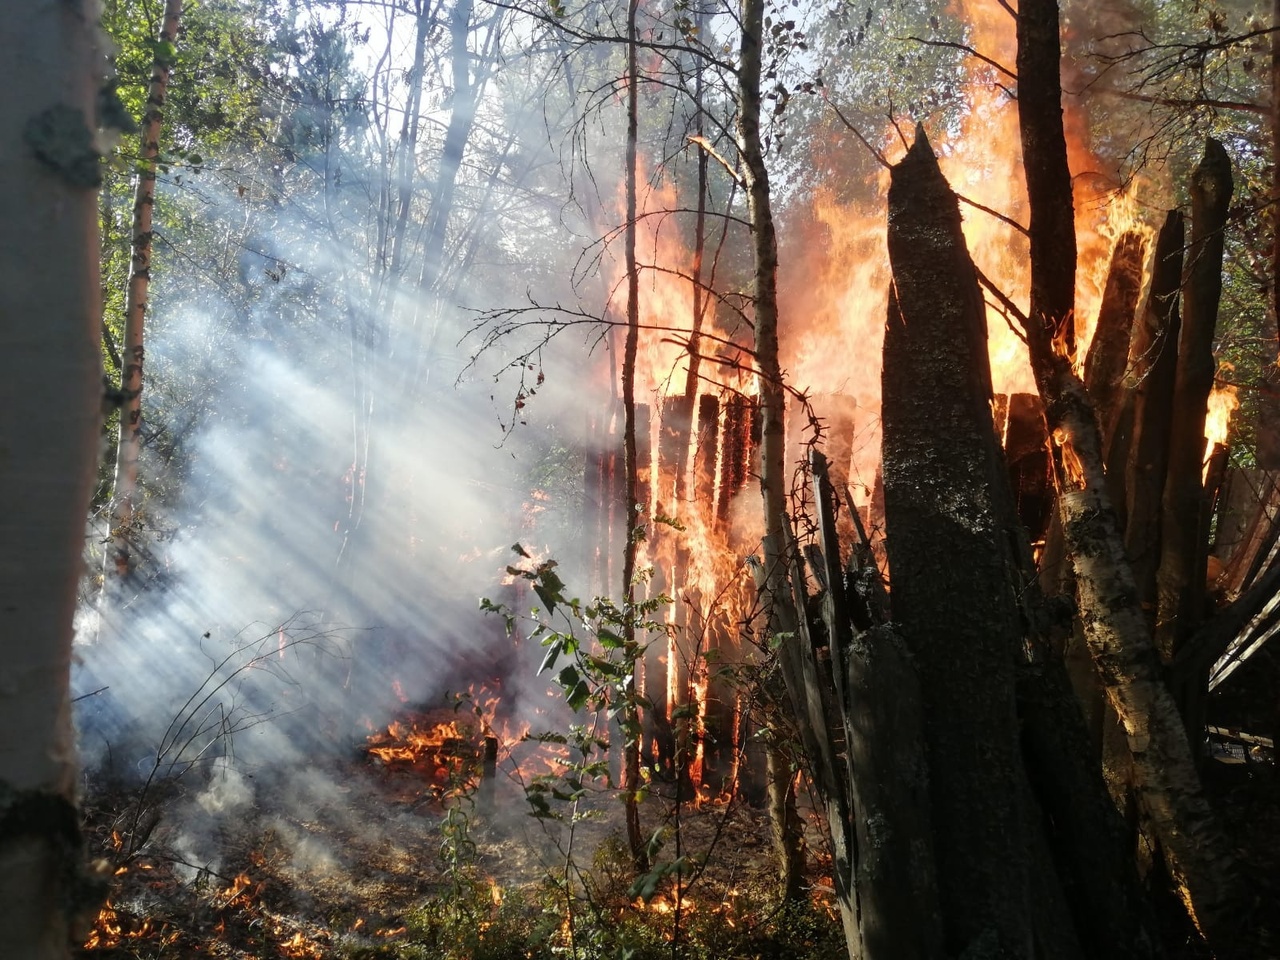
125 490
1172 800
50 384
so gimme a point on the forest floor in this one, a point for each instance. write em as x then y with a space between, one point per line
365 859
372 859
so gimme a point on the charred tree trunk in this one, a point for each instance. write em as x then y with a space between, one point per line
1052 230
1180 577
940 467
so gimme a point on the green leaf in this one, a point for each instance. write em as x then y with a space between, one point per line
578 696
609 640
552 655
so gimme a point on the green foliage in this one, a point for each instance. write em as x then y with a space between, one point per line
528 925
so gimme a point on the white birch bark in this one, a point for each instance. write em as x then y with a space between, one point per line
50 385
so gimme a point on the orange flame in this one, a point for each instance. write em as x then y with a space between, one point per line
1223 403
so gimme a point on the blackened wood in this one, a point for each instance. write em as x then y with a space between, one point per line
735 454
488 772
1030 469
883 864
1091 846
941 464
1051 230
673 446
704 460
644 464
1180 577
1153 359
720 719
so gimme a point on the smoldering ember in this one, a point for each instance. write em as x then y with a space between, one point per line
502 478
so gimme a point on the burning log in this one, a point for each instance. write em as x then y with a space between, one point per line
673 442
644 462
1181 574
601 491
488 772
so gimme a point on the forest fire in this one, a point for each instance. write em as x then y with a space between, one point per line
110 931
743 667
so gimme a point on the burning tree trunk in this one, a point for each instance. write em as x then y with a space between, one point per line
1172 801
945 547
50 368
125 490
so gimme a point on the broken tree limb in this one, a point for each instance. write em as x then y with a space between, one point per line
1153 359
1104 365
1180 577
